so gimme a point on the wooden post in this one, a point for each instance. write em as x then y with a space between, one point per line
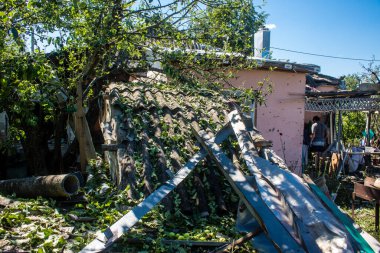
331 128
86 147
339 133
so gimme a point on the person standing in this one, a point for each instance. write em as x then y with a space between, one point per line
318 139
318 135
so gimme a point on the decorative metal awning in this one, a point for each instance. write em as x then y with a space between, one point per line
342 104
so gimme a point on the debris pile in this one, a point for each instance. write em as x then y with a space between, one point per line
285 213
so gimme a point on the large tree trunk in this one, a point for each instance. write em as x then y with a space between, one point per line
59 132
35 144
3 161
36 151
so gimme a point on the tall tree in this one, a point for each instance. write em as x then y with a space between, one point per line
94 41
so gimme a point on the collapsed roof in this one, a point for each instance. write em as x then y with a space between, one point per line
148 134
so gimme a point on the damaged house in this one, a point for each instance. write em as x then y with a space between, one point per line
161 138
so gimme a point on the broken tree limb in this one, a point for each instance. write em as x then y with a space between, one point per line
124 224
81 219
83 135
230 247
46 186
275 231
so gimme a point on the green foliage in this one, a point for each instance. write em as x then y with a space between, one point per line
41 225
355 122
229 26
92 39
352 81
353 125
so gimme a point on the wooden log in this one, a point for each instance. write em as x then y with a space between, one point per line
46 186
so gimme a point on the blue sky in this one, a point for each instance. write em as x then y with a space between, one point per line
344 28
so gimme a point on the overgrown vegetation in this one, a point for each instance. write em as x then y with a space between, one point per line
44 225
53 49
354 123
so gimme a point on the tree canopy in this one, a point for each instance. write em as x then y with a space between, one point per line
51 47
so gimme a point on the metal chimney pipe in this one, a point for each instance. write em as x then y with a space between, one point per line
262 43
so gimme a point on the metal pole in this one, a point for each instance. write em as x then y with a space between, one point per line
368 127
331 128
339 134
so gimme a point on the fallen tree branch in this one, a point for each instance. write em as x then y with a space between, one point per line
242 240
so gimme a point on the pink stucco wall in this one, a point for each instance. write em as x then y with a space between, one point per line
281 120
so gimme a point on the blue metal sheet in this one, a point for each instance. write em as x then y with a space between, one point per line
320 230
274 230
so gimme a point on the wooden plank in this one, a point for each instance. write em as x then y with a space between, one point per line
320 224
123 225
275 231
347 222
83 135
